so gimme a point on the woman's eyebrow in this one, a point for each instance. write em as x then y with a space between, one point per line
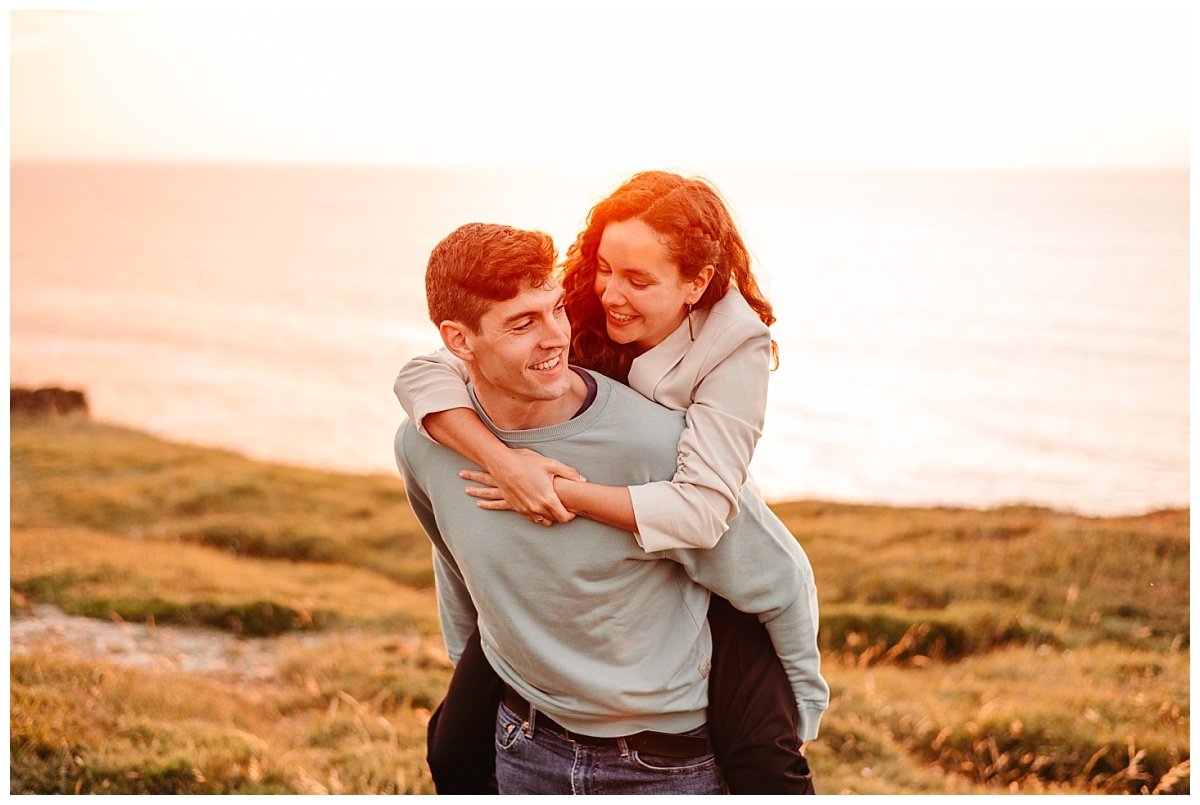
641 273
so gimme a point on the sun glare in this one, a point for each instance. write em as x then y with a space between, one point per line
869 86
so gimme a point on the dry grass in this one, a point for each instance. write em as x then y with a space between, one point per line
1012 650
83 726
117 481
1007 575
1025 720
90 573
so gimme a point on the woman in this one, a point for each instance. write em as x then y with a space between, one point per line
660 294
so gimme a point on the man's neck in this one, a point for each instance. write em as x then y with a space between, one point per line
508 413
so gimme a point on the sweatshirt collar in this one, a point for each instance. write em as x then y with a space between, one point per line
563 430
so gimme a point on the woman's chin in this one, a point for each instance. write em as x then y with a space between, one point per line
618 336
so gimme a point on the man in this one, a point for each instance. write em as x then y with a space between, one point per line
604 650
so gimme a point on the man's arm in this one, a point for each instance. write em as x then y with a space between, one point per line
455 607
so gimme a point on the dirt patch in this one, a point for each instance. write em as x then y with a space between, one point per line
166 648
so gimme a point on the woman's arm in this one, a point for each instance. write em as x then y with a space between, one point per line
722 426
524 477
432 390
431 383
610 505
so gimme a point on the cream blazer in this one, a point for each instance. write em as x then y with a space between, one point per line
719 379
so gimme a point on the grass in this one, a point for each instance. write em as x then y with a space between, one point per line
1014 650
132 485
90 573
1013 574
82 726
1101 719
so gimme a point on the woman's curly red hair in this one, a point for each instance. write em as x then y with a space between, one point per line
697 229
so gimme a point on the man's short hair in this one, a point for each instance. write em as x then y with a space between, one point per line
478 264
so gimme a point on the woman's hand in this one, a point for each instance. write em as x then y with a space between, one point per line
524 483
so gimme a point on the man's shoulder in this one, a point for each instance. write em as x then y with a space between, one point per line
412 447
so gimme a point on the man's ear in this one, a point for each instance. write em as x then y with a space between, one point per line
455 337
700 284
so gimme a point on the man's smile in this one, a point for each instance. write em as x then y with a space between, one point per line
548 364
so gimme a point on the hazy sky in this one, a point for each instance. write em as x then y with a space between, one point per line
868 84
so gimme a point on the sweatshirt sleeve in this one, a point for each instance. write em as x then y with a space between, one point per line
432 383
456 609
722 427
761 570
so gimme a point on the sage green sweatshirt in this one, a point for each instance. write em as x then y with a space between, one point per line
604 637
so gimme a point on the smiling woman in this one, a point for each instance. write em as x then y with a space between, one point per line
643 293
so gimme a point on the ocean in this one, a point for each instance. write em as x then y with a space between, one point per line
961 339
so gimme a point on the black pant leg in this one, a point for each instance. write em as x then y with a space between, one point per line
462 731
752 713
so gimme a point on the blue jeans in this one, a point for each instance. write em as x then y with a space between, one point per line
533 761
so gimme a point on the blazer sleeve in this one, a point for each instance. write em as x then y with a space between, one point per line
431 383
722 427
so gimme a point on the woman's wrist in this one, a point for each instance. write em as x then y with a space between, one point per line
568 492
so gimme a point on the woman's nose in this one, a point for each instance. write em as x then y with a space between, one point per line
611 294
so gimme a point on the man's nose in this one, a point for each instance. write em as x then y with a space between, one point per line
553 333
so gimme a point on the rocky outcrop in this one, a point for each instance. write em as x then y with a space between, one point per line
47 402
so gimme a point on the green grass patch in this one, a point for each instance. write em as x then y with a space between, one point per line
104 576
1016 649
871 634
1095 580
78 473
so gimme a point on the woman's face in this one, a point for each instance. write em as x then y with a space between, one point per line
643 294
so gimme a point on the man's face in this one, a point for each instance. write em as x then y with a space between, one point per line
519 355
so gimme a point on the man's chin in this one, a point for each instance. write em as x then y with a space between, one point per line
553 388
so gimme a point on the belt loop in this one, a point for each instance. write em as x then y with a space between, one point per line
529 725
623 746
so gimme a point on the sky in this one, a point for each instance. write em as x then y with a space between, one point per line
859 84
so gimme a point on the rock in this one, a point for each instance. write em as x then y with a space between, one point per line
48 402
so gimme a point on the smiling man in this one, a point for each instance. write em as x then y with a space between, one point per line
603 650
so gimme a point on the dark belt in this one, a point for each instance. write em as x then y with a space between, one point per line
663 744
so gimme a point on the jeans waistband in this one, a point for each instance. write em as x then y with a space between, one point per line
663 744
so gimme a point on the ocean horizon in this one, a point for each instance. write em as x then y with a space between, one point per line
958 339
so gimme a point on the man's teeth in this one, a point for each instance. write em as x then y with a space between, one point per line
550 364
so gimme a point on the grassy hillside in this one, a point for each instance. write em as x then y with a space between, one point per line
1010 650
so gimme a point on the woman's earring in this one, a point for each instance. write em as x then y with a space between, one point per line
691 332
